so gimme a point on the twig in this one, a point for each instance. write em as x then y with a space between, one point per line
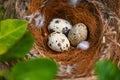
113 41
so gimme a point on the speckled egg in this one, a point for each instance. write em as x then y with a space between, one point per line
59 25
77 34
58 42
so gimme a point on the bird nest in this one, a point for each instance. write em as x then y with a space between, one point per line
103 33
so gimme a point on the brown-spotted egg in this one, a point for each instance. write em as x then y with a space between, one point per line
77 34
58 42
59 25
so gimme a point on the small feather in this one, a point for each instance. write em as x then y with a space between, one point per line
84 45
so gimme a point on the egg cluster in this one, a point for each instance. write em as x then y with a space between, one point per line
63 34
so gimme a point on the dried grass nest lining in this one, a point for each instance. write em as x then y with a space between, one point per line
84 12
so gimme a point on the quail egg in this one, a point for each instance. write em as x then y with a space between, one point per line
77 34
58 42
59 25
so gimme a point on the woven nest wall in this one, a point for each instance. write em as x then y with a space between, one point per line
114 5
111 33
103 26
84 12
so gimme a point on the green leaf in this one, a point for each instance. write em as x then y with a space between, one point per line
35 69
19 50
107 70
11 31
